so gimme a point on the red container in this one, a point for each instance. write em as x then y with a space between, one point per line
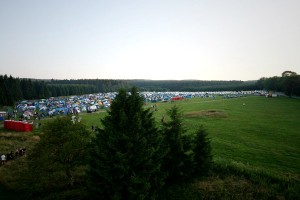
17 126
10 124
27 127
5 124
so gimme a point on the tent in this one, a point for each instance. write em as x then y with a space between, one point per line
176 98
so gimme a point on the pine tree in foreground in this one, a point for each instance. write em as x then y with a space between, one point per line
126 155
189 156
202 153
179 159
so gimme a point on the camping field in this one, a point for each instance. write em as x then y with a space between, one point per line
255 139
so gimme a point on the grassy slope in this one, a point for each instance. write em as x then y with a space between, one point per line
253 133
261 135
254 137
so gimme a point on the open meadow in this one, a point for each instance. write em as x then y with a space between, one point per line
252 138
253 133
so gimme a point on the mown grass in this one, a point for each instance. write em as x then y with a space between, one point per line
255 145
253 133
253 138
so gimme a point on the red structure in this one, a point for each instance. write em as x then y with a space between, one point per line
176 98
17 126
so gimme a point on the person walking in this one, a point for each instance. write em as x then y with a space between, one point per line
3 159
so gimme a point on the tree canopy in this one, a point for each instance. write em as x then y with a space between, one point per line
288 83
178 161
61 149
127 152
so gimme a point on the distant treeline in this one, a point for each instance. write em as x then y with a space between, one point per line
288 83
192 85
15 89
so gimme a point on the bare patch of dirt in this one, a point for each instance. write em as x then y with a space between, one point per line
36 138
207 113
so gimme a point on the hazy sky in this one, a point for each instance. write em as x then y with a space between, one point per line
149 39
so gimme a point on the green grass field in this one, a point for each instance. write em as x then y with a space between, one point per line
252 135
255 133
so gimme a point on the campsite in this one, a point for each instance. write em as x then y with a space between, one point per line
255 144
53 106
150 100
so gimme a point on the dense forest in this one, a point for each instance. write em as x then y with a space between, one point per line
15 89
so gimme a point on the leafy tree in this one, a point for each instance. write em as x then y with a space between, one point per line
127 153
61 149
288 73
202 152
291 85
260 83
178 161
273 83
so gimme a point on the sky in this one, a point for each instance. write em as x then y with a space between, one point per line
142 39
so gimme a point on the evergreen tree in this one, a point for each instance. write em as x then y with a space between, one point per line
15 88
127 153
178 161
28 89
52 91
2 91
8 98
202 153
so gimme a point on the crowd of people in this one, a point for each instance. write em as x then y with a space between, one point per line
13 155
